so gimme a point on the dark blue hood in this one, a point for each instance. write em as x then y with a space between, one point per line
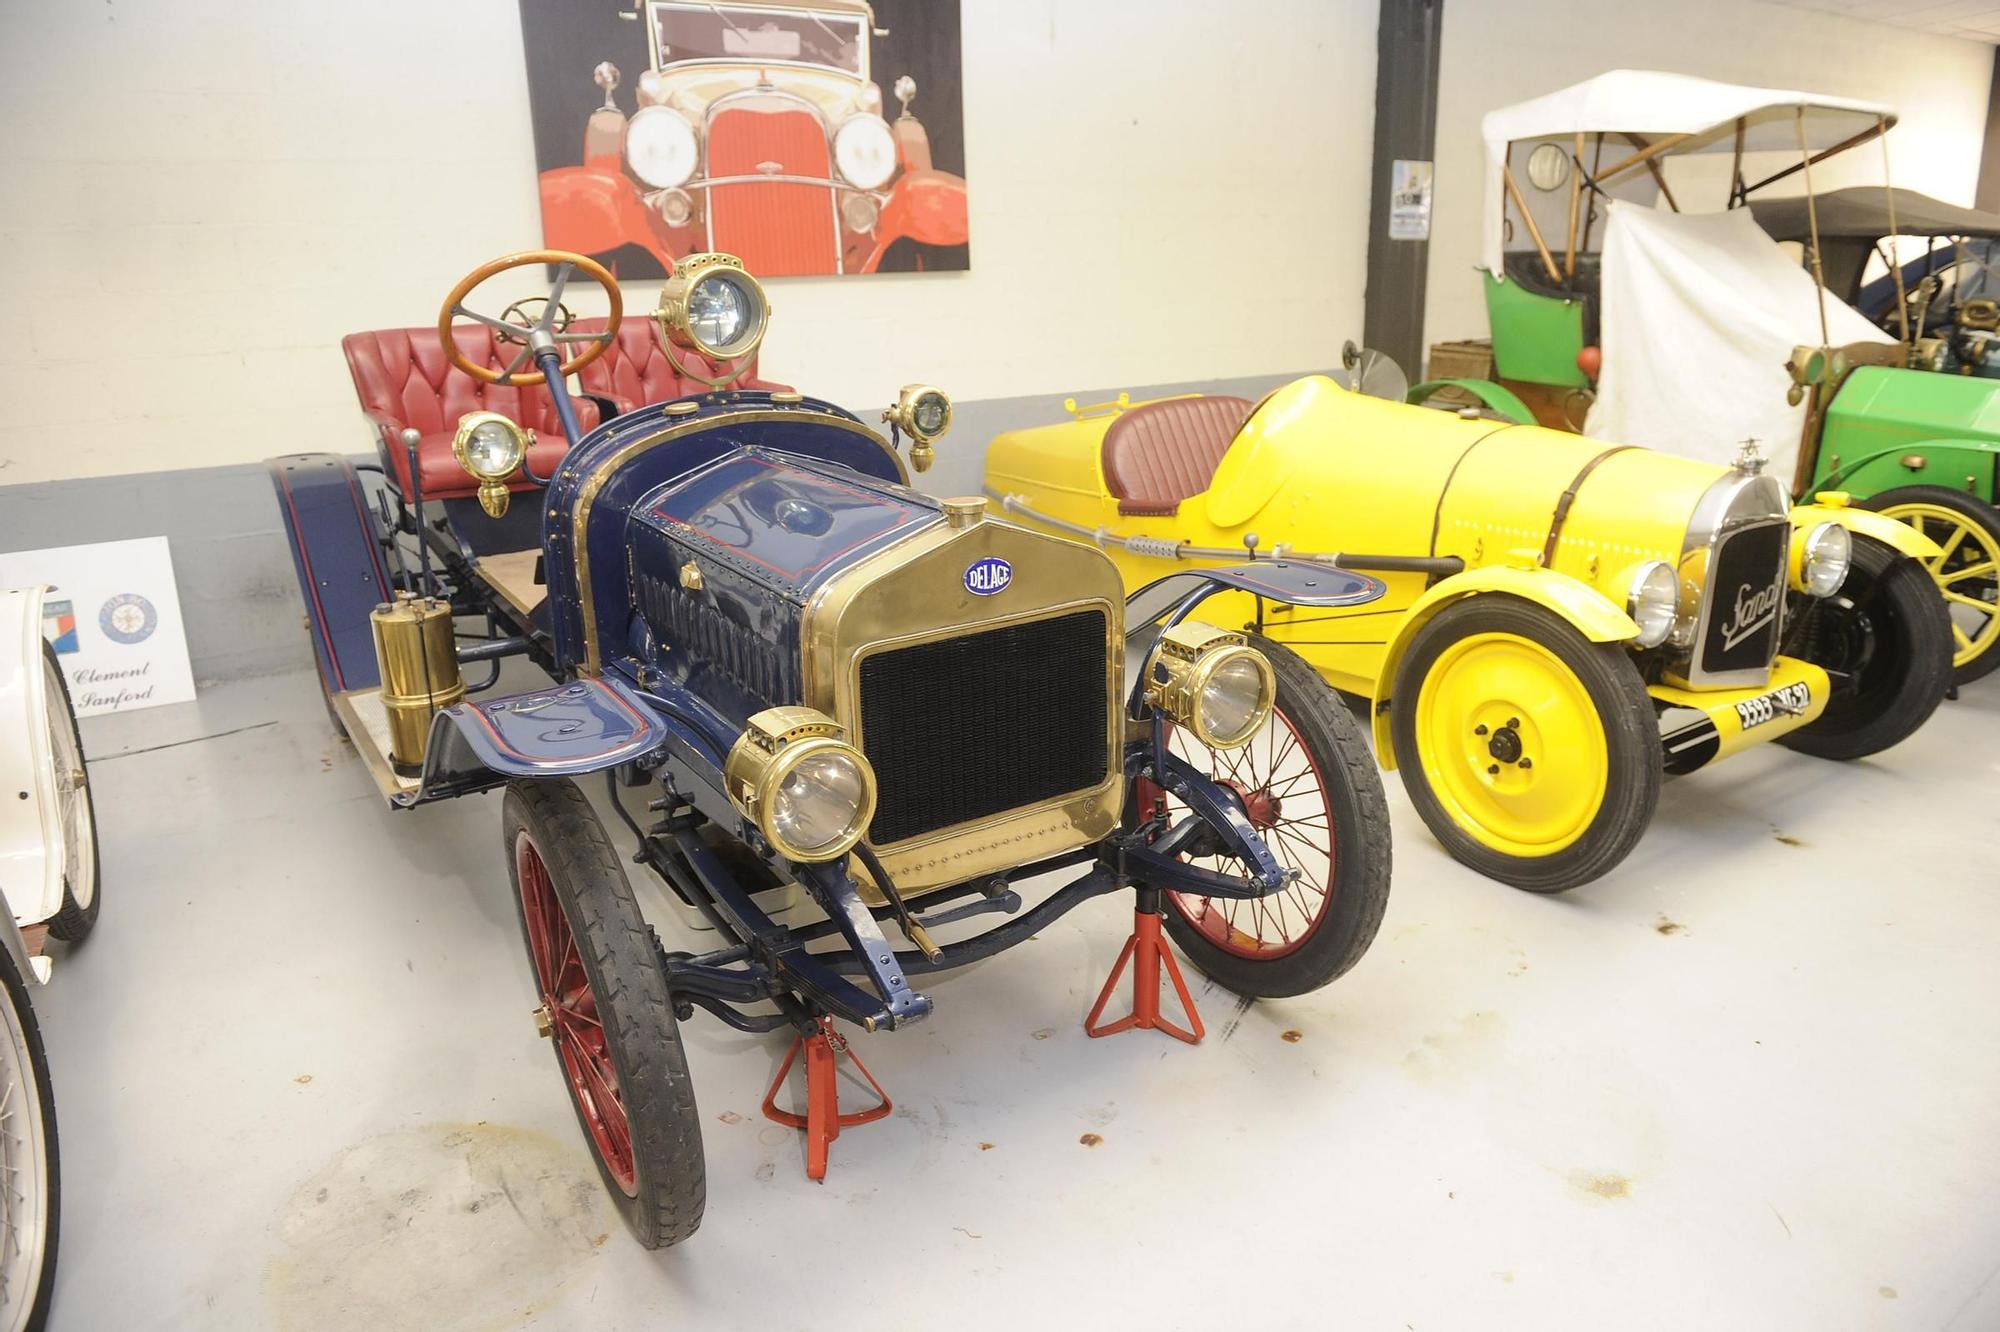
764 530
782 521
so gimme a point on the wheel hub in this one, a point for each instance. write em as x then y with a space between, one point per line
1259 806
545 1026
1506 743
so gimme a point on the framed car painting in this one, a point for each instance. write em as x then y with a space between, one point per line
824 137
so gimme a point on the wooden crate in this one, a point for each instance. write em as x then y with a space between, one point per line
1461 360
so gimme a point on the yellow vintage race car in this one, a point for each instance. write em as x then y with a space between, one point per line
1566 622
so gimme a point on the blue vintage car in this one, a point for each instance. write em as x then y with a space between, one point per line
808 674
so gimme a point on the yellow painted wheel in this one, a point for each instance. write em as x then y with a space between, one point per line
1967 575
1531 752
1511 744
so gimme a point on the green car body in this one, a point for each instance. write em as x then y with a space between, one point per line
1885 428
1888 427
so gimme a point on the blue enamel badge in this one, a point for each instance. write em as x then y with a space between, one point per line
989 576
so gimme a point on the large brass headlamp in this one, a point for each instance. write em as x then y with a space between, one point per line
491 447
1211 681
793 774
712 305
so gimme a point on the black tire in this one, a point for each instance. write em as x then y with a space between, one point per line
1611 680
25 1033
1343 920
1886 641
1978 512
628 991
74 921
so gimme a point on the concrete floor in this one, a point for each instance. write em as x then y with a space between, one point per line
1752 1080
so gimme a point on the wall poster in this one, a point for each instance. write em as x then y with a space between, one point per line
812 137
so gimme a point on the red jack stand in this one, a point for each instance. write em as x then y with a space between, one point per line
1148 954
822 1120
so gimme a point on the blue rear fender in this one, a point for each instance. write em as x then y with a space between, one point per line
338 560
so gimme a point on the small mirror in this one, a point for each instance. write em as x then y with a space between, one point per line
1374 374
1548 167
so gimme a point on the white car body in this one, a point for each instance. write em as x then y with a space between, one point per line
31 837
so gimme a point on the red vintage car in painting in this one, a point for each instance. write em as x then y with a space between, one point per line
758 131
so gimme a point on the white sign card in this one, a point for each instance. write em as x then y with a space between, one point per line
1409 200
114 618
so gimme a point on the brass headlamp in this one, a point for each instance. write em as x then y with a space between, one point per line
491 447
793 774
923 412
1213 682
713 306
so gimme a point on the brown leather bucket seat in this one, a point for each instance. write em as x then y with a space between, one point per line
1159 453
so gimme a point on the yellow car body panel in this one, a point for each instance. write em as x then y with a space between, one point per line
1472 509
1319 468
1795 696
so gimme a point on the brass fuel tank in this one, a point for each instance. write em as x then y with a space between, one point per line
418 659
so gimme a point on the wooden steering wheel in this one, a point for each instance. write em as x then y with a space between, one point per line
552 327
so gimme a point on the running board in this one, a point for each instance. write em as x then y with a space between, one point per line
366 721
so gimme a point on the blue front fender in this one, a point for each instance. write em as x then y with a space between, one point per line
563 730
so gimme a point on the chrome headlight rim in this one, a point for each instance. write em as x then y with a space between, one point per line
1825 557
661 147
1652 599
867 166
772 748
470 428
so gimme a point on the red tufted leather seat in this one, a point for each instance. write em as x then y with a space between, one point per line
1159 453
636 370
403 379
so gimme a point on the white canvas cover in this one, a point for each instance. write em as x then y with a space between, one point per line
1699 314
1653 105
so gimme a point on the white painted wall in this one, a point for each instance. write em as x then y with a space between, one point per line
1497 52
199 197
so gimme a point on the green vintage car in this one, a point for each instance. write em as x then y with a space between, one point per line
1620 311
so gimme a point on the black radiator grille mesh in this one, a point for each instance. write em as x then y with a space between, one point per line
973 726
1748 592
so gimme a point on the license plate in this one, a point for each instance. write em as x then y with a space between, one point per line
1788 701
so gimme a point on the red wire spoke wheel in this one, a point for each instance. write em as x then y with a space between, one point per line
1281 790
603 1004
1309 785
569 1008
